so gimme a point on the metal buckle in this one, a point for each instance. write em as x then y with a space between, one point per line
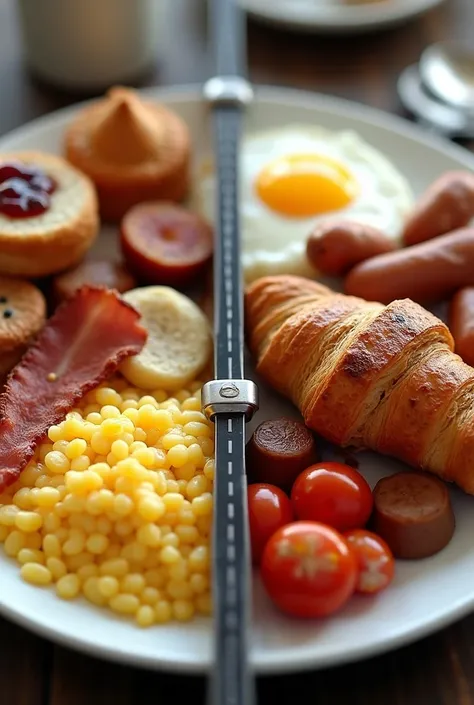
229 396
228 90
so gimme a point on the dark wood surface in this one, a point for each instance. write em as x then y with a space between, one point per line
438 670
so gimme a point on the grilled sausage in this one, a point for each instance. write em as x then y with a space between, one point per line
461 323
334 247
427 272
448 204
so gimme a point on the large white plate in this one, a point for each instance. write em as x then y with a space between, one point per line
333 16
426 594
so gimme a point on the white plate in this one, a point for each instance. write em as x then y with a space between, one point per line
333 16
425 596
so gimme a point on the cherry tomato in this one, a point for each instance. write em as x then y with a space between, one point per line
375 560
308 569
269 509
334 494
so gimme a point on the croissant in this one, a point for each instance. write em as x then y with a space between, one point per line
366 375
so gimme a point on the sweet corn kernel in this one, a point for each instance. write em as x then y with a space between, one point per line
81 463
56 462
124 603
209 468
97 543
75 448
123 505
28 521
92 593
197 486
145 616
60 446
117 567
202 506
169 555
68 587
149 535
51 545
120 449
14 542
151 508
22 498
30 555
163 611
56 566
36 574
183 610
150 596
107 396
87 571
133 583
108 586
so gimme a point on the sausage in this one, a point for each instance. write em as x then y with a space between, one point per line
334 247
427 272
448 204
413 514
93 272
461 323
278 451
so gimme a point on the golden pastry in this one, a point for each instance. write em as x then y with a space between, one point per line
48 214
367 375
133 150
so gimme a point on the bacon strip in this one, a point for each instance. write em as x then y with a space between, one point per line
81 345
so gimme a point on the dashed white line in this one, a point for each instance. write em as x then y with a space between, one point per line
231 576
229 425
230 468
230 533
229 447
231 552
230 314
229 365
229 346
228 300
230 488
229 330
230 510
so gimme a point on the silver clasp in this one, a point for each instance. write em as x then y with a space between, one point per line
228 90
230 396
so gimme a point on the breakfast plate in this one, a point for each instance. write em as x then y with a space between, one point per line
426 594
337 17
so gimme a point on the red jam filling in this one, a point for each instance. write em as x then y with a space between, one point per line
25 191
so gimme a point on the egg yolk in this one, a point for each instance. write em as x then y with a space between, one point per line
301 185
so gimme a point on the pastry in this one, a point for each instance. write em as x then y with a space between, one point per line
48 214
367 375
104 273
133 151
22 315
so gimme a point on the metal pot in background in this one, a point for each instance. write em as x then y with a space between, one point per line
89 45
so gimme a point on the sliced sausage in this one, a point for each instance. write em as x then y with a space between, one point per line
165 244
278 451
334 247
448 204
461 323
94 272
413 514
427 272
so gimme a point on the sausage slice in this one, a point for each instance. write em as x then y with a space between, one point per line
413 513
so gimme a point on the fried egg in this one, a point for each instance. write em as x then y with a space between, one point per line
291 178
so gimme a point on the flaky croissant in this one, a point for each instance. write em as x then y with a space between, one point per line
366 375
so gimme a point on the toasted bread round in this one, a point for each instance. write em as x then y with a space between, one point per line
22 315
57 239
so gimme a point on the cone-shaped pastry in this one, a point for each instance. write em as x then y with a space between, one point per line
367 375
133 151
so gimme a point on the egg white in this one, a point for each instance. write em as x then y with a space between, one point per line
276 244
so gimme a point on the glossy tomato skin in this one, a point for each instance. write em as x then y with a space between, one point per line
334 494
376 564
308 569
269 509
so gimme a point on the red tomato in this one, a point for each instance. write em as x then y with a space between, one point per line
334 494
269 509
375 560
308 569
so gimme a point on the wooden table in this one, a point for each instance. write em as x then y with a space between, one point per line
434 671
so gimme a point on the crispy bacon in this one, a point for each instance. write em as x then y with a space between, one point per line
81 345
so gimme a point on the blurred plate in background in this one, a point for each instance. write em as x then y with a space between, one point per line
337 16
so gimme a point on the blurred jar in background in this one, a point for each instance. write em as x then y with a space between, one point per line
89 45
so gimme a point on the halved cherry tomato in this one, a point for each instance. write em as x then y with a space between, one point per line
375 560
334 494
269 509
308 569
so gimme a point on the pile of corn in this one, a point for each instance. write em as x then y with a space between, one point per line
117 505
